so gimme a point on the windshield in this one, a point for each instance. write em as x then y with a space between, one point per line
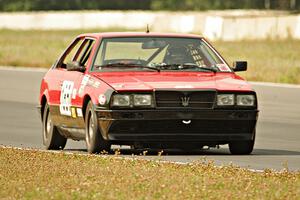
161 53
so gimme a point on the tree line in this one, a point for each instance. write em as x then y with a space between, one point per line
42 5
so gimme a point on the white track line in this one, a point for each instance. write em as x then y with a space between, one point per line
23 69
134 157
32 69
282 85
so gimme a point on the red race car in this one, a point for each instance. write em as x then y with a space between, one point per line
147 90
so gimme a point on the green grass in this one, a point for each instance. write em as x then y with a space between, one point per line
30 174
36 48
269 60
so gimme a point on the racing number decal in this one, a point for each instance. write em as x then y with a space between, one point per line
84 83
65 98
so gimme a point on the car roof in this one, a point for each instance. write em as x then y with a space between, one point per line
137 34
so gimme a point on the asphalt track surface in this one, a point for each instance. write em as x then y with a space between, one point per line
278 129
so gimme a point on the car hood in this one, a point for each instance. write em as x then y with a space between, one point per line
129 81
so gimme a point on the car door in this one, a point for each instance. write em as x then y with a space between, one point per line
54 79
57 78
70 100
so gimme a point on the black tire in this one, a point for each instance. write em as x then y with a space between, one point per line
52 139
93 138
242 147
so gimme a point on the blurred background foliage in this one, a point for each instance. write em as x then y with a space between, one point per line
40 5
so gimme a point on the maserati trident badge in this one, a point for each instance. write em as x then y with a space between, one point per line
185 101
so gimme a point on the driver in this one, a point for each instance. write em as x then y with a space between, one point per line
178 55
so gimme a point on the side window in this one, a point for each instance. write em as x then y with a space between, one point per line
84 52
70 54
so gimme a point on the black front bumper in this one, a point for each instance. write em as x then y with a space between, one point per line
177 125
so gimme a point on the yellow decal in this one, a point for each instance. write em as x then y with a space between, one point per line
73 111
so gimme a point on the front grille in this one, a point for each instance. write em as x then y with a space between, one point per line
185 99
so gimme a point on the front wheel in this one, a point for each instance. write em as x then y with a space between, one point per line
93 138
52 139
242 147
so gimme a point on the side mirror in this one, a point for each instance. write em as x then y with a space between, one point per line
240 66
75 66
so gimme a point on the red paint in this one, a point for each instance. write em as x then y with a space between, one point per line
126 81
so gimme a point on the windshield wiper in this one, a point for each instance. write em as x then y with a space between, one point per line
186 66
195 66
128 65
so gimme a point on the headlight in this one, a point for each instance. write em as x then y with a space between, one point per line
225 100
132 100
142 100
121 100
245 100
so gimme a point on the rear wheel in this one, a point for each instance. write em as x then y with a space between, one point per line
242 147
52 139
93 138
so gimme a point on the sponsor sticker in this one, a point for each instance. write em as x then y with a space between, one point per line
85 79
96 84
102 99
90 82
223 68
83 83
79 112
